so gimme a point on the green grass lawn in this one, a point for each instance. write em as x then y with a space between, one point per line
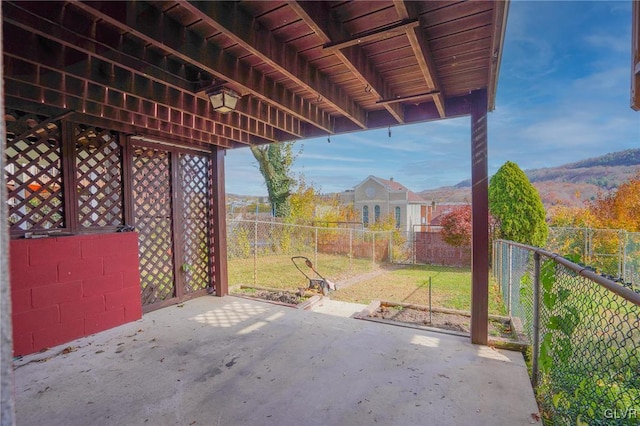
277 271
450 288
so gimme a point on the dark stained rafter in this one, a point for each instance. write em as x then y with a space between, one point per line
269 49
374 35
150 25
420 46
318 17
126 74
410 97
303 68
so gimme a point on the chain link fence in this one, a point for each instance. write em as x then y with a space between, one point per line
584 331
259 252
612 252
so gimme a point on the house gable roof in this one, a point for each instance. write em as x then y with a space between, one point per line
393 186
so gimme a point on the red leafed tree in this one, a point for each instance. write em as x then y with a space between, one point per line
456 227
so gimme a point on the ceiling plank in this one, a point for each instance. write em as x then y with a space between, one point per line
236 24
317 16
422 52
153 27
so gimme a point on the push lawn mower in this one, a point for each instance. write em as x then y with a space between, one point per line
319 284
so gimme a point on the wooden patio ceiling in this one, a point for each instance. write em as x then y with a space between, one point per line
304 69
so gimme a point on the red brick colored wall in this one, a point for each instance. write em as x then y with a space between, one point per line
64 288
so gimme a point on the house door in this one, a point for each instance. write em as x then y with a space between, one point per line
171 207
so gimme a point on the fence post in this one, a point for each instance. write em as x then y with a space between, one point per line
621 249
413 245
390 237
536 320
496 247
373 251
315 252
589 247
509 277
351 249
255 251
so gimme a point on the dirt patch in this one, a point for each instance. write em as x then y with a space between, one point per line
299 299
442 320
278 296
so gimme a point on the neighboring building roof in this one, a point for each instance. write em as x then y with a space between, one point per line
393 185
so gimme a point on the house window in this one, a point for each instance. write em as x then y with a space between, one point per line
376 214
38 158
398 217
365 215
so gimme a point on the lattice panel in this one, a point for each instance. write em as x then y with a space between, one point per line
99 177
194 176
153 221
33 172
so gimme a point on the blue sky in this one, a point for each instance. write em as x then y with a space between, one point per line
563 96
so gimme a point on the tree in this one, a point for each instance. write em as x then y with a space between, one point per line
516 205
303 201
275 162
619 209
456 227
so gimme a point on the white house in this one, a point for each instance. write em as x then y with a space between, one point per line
375 198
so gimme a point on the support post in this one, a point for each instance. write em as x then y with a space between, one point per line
480 221
220 272
7 403
536 320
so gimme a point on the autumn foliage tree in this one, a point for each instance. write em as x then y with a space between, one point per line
619 209
303 201
456 227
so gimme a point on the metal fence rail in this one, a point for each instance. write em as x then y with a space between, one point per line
585 334
614 252
259 252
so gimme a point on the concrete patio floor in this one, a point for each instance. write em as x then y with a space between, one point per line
232 361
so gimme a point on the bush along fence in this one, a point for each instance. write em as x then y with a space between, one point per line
584 331
259 252
614 253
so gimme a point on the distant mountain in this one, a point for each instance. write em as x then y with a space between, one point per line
570 184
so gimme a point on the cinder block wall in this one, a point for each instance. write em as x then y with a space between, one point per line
68 287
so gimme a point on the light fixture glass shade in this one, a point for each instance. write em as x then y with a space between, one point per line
224 100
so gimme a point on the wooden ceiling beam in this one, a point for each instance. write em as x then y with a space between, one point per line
422 52
239 26
154 27
407 98
49 86
318 17
125 66
373 35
